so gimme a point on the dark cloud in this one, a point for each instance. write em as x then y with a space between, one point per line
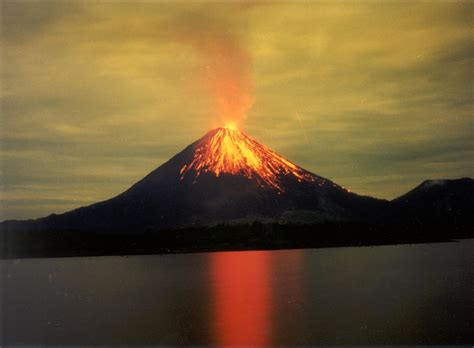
22 20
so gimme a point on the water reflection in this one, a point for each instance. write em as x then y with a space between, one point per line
407 294
243 294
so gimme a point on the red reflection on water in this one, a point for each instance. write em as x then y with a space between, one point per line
242 298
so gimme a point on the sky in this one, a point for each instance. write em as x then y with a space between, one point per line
376 96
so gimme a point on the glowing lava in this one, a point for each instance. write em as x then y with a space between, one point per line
227 150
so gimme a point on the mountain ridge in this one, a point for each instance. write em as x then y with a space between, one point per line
439 201
227 177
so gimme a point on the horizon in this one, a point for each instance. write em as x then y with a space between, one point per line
375 97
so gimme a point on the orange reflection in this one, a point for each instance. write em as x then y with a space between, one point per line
242 298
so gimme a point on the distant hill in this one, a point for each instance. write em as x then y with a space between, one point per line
437 201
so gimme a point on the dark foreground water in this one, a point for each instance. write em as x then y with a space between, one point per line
403 294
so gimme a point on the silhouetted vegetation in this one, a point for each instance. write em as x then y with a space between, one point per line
16 244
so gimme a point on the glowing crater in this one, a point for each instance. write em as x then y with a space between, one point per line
227 150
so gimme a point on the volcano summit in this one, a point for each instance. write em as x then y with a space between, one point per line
226 176
228 151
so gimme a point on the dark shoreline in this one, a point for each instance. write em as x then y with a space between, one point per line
256 236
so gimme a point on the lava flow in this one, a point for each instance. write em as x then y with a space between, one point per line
227 150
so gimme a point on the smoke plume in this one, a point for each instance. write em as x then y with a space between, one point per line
226 66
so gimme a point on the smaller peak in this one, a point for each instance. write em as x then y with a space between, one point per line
441 182
433 182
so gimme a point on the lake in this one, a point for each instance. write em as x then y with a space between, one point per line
401 294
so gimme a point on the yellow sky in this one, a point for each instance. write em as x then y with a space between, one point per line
376 96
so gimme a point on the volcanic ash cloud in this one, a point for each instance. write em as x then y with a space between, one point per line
227 67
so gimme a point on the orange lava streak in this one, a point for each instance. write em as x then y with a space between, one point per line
230 151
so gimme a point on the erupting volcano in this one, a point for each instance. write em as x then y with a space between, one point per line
229 151
224 177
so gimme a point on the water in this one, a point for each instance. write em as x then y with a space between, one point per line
406 294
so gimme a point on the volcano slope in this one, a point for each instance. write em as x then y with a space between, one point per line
224 177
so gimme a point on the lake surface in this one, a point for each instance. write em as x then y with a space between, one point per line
403 294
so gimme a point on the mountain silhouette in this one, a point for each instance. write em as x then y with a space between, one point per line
226 176
437 201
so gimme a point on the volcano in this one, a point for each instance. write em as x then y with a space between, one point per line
224 177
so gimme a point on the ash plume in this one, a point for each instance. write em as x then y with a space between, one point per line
226 65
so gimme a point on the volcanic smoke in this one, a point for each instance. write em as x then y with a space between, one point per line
227 68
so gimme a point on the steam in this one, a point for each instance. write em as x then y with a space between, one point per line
227 67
